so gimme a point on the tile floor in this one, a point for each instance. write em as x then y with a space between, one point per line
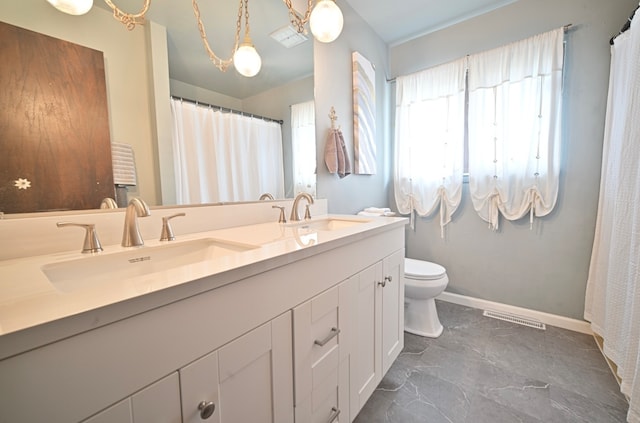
486 370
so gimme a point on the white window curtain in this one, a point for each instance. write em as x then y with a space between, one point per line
429 141
221 156
612 302
303 147
514 128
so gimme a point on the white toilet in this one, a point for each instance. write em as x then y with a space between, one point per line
423 281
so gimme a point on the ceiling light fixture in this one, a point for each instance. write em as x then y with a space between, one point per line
244 56
72 7
325 19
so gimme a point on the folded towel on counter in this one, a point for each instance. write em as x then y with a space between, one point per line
377 210
374 211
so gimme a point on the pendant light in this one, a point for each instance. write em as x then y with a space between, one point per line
326 21
72 7
246 59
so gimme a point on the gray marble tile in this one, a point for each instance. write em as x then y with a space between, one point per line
571 407
484 410
486 370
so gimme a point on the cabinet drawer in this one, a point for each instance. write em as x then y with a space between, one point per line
323 404
316 329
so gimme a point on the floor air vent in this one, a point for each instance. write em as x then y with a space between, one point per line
514 318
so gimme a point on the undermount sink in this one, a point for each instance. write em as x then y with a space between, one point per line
330 224
71 275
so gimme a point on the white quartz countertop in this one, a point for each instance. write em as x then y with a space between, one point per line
28 298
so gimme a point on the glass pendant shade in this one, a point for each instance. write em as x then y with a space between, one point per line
72 7
246 60
326 21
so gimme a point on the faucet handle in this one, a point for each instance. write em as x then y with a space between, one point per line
307 213
167 231
281 219
91 242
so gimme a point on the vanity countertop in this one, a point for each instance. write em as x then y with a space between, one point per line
28 299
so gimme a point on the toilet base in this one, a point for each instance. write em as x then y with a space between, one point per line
421 318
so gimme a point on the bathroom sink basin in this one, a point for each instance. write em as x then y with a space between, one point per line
71 275
330 224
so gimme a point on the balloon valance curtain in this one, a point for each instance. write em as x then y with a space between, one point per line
221 156
514 128
429 147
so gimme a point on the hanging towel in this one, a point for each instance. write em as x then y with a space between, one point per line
335 154
124 164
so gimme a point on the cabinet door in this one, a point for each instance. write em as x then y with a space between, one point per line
392 308
247 380
120 412
365 364
158 403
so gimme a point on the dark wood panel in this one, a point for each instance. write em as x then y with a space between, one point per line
54 124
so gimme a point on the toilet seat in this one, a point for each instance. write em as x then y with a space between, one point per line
423 270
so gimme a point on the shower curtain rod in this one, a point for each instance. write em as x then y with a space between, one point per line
626 25
226 109
565 28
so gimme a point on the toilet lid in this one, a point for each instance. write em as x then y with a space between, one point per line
420 269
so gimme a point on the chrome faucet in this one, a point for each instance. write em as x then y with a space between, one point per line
131 235
266 196
108 203
91 242
295 214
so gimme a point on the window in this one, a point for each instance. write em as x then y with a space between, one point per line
513 116
303 147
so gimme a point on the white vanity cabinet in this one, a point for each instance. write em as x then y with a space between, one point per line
236 346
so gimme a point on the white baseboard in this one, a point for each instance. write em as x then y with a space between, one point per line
546 318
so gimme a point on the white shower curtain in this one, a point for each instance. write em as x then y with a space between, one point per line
220 156
612 302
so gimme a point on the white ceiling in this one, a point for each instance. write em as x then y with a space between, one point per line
395 22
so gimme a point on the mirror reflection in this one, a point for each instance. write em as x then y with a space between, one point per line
138 86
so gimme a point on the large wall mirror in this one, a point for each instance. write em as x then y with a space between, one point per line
140 77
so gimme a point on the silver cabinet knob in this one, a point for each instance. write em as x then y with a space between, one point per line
206 409
388 278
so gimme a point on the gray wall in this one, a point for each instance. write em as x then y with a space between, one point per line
333 87
545 268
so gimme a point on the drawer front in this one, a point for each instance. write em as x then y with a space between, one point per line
316 342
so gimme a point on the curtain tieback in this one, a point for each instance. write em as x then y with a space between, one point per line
442 195
494 208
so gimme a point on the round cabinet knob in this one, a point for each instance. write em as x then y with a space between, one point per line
206 409
388 278
383 283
